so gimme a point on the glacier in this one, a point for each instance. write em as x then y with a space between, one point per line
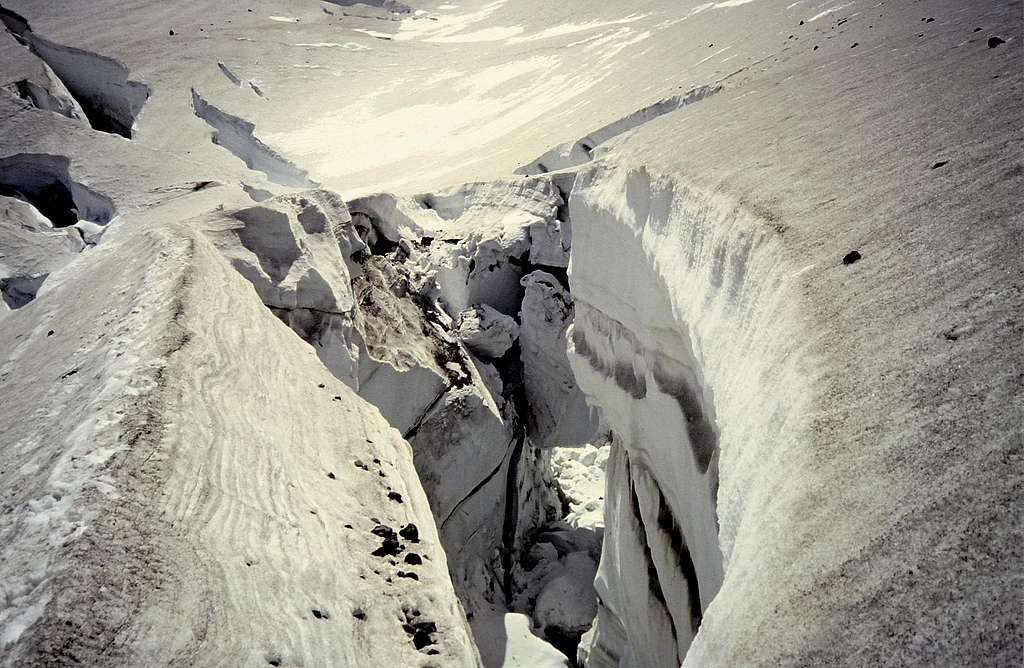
510 334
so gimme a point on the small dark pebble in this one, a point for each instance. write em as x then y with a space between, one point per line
940 163
321 386
395 496
815 48
413 559
929 20
854 45
348 526
50 333
320 614
851 257
976 30
993 42
359 614
801 23
411 576
171 33
331 475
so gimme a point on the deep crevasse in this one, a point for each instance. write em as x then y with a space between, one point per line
685 338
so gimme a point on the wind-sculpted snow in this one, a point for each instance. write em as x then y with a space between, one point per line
574 154
238 136
223 490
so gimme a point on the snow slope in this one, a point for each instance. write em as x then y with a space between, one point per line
166 476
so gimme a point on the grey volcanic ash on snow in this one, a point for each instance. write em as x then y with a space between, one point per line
511 333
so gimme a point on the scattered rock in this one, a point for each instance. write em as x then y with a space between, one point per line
957 332
320 614
359 614
854 45
395 496
940 163
851 257
413 559
383 531
421 631
360 465
405 574
410 533
993 42
330 474
389 547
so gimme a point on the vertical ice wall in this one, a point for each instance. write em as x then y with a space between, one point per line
678 338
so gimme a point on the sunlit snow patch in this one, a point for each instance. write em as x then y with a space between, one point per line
374 33
573 28
830 10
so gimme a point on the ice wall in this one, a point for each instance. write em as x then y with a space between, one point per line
683 337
